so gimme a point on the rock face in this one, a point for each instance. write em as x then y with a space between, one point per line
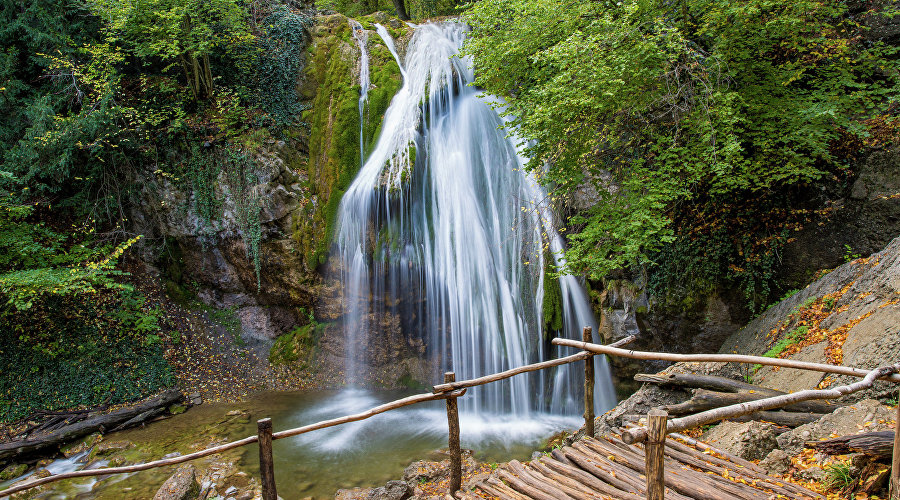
197 233
858 330
749 440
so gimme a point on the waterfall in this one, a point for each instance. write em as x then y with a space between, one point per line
362 39
440 229
389 43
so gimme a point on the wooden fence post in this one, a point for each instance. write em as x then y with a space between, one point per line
455 451
895 460
588 387
266 464
654 448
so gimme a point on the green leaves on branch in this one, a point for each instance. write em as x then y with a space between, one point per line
663 108
182 33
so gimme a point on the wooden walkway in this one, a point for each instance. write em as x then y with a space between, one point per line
609 468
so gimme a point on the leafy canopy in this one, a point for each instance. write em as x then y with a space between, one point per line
643 110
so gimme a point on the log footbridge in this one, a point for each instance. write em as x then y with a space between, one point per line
644 461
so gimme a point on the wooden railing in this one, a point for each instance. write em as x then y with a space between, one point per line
653 434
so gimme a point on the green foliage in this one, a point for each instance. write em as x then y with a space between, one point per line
838 475
83 349
683 114
794 336
35 262
280 63
178 32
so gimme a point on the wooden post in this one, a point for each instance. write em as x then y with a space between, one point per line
588 387
455 451
895 460
654 449
266 464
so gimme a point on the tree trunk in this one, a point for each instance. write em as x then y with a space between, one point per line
875 444
401 10
102 423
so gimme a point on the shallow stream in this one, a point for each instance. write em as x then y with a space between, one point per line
366 453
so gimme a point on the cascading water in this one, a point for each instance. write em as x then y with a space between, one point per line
362 39
389 43
439 229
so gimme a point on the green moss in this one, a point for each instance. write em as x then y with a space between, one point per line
794 336
13 471
298 345
334 130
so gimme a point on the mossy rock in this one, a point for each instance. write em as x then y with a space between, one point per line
177 409
297 346
332 86
80 445
13 471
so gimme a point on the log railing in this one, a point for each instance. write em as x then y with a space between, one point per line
653 435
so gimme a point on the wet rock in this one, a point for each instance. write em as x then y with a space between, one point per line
180 486
866 416
42 473
393 490
195 398
109 447
80 446
177 409
748 440
353 494
13 471
776 462
423 471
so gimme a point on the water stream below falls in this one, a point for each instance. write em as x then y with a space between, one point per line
361 454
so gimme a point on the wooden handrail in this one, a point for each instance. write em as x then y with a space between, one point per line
722 358
524 369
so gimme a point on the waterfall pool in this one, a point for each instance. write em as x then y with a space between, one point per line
367 453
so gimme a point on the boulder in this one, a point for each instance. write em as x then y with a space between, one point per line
866 416
776 462
13 471
182 485
748 440
393 490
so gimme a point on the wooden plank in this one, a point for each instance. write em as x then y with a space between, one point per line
505 490
683 481
615 488
558 482
609 471
525 488
518 469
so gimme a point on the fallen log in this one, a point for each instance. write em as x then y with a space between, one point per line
710 382
875 444
102 423
704 399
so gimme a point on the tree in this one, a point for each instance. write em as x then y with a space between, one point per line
401 10
178 32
